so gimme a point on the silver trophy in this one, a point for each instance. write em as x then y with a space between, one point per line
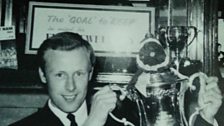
178 38
163 99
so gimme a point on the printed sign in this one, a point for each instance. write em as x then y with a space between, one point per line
7 33
111 30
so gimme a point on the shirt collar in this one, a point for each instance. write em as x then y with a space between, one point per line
80 114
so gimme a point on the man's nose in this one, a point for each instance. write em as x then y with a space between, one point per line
70 84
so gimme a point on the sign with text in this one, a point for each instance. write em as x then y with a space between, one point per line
7 33
111 30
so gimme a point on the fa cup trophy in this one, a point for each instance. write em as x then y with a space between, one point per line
163 102
157 91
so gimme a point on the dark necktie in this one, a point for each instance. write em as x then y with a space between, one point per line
71 117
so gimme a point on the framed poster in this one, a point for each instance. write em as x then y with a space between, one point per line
111 30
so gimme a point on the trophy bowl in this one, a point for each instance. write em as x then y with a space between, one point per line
177 36
163 103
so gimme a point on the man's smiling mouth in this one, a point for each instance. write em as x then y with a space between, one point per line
69 97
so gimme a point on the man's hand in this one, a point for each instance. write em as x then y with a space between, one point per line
103 102
210 98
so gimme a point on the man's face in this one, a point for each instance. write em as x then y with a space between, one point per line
67 74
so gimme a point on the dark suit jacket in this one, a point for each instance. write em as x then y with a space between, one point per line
43 117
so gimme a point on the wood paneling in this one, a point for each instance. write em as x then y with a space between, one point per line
203 15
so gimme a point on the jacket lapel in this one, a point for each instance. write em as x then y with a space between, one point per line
48 117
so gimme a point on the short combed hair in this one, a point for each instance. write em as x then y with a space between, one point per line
64 41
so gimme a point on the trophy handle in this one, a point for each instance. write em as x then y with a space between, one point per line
190 86
200 75
202 84
124 93
162 36
195 32
123 120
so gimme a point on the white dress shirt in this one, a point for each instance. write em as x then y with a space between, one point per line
80 114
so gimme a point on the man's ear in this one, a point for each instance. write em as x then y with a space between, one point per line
91 73
42 76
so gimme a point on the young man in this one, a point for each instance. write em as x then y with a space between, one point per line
66 65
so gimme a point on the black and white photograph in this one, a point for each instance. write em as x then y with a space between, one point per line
111 62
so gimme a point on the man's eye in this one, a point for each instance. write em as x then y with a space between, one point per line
60 75
80 73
